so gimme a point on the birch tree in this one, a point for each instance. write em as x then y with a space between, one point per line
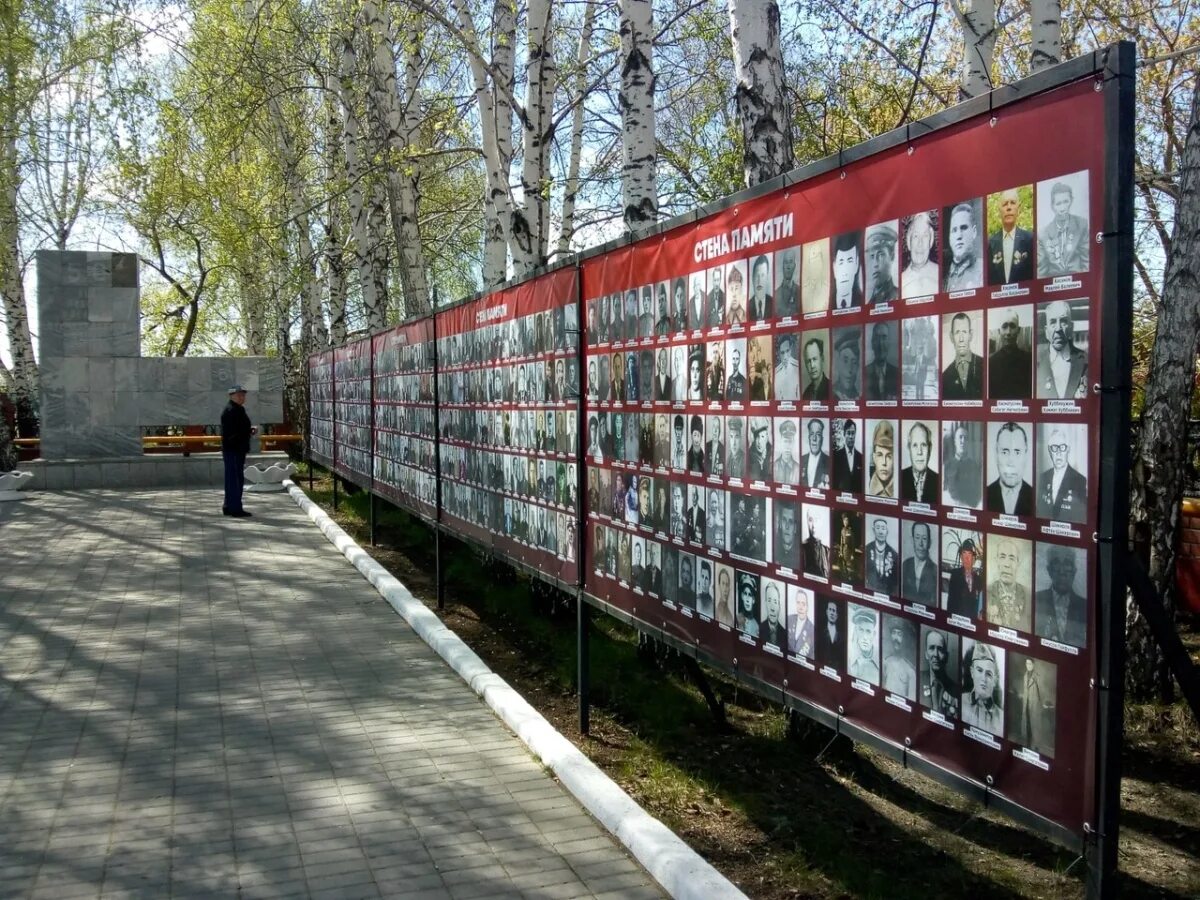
977 22
530 228
579 92
1046 31
639 151
761 94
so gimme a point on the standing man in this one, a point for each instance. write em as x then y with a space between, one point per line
235 444
1010 250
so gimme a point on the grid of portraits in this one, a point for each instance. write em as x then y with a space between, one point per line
320 387
405 461
866 453
352 407
509 428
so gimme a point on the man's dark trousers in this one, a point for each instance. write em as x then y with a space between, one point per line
235 480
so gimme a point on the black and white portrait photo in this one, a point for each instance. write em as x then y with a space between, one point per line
962 355
787 283
736 386
847 455
736 278
787 368
760 455
883 271
801 639
746 616
786 465
1010 468
817 353
962 463
724 601
687 581
919 572
761 302
1063 235
962 562
814 277
814 467
1062 350
847 546
941 687
881 458
899 649
1009 602
735 439
715 530
785 546
920 376
705 602
862 651
847 364
881 556
697 514
1031 703
963 240
1010 352
919 482
983 686
714 446
1062 487
1060 601
814 552
772 628
831 633
846 281
714 374
670 577
748 526
679 373
882 373
1010 235
919 255
760 367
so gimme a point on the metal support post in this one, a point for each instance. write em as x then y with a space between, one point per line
583 657
371 500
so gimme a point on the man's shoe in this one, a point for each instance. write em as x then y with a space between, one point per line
241 514
225 511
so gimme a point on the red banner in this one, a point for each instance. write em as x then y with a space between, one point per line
405 462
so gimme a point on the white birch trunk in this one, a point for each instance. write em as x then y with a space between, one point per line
1046 20
530 226
639 153
366 209
392 127
334 250
24 372
977 21
761 91
410 184
567 230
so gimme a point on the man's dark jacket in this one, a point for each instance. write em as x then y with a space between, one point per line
235 429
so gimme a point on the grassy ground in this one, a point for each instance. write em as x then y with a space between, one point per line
784 815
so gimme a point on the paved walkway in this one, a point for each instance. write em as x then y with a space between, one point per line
198 706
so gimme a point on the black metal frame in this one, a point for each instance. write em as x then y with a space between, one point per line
1113 68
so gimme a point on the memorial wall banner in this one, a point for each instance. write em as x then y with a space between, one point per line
405 464
320 400
352 411
841 438
508 381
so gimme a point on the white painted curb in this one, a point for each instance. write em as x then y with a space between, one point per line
673 864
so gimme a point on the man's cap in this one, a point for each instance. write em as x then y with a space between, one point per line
967 546
883 435
697 424
735 424
237 389
865 616
787 428
881 236
759 429
848 339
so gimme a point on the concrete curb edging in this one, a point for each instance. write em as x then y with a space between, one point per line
672 863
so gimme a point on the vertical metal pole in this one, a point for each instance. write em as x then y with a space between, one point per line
583 655
372 498
441 581
439 574
1116 326
335 492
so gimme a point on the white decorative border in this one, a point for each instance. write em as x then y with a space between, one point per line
673 864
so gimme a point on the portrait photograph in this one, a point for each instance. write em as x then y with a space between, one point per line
645 374
786 464
982 703
862 650
785 547
632 315
736 286
653 583
846 450
814 276
661 382
883 263
604 508
881 458
662 440
814 464
639 561
686 595
677 521
748 526
814 551
962 355
847 364
723 600
697 514
746 616
772 627
939 662
1062 487
679 373
1060 599
646 313
847 546
787 283
761 367
736 382
898 640
706 301
617 390
1010 235
882 370
670 574
715 521
919 455
1009 601
1063 232
1010 352
616 325
1010 468
920 574
1062 345
599 547
846 267
801 640
760 454
715 446
624 559
919 254
735 449
962 463
816 353
831 633
962 572
705 604
761 302
694 392
593 322
695 452
881 555
714 373
962 236
646 439
1031 701
677 309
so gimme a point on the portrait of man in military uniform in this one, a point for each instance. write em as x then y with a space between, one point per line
1063 234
